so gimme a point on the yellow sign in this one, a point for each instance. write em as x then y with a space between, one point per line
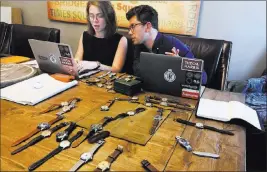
179 17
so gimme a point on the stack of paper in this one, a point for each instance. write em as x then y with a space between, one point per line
35 90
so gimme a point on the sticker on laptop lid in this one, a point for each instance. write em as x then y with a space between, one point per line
192 87
195 65
189 93
52 58
169 75
66 61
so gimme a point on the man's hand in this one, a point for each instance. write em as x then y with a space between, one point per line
175 52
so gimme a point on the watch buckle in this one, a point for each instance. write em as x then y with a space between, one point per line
199 125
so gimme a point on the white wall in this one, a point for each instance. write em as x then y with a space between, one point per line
243 23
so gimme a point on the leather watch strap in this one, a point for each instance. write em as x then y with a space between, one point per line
149 167
57 127
35 131
78 134
44 159
202 126
32 142
98 136
111 158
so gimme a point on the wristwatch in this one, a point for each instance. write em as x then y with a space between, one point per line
148 166
156 121
136 111
62 145
63 135
202 126
44 134
105 165
107 106
68 106
93 129
87 156
40 127
184 143
62 104
131 99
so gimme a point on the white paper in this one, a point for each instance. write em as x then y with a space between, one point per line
225 111
6 15
242 111
35 90
217 110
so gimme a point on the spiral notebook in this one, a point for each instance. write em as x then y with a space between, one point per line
35 89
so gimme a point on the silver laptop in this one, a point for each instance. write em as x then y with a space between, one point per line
54 57
171 75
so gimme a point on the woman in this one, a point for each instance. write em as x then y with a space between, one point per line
101 42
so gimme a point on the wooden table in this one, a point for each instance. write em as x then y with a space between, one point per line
162 150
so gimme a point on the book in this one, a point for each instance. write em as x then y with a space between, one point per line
35 90
225 111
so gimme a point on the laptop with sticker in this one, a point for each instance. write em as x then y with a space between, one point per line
54 57
177 76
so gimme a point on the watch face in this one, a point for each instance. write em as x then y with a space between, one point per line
43 126
164 99
96 127
104 108
199 125
134 98
149 104
130 113
64 103
46 133
64 144
104 165
109 86
61 135
66 108
86 156
100 85
164 103
158 117
189 74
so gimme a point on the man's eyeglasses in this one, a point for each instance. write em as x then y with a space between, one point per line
132 26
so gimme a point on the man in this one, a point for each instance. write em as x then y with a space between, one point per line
144 33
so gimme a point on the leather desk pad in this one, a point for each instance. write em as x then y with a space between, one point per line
132 128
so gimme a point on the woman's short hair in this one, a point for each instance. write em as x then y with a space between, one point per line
109 16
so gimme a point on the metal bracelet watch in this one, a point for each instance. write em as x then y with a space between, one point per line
62 145
42 126
156 120
67 106
87 156
183 142
44 134
105 165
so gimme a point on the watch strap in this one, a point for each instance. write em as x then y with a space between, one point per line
32 133
51 108
81 139
112 157
77 165
44 159
76 136
148 166
98 136
57 127
204 126
154 126
32 142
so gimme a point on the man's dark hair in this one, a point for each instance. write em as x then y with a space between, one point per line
109 15
144 13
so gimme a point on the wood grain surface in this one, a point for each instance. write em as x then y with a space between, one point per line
161 150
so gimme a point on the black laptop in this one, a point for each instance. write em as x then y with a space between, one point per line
177 76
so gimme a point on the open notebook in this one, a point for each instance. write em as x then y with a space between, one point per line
225 111
35 90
